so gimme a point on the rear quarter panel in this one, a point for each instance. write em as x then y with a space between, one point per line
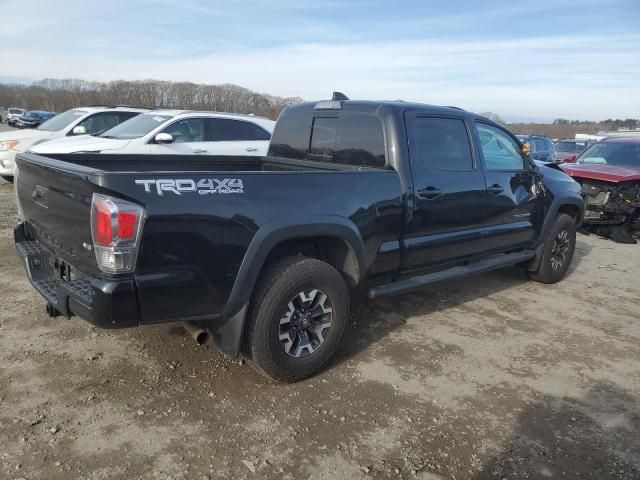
193 244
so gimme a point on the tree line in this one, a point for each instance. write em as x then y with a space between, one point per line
609 123
58 95
562 128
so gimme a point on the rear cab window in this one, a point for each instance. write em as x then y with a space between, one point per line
341 138
291 136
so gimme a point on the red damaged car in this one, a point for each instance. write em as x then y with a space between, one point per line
609 172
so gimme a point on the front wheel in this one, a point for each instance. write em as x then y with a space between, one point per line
557 252
7 178
296 319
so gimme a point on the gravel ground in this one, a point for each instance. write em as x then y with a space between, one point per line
6 128
490 377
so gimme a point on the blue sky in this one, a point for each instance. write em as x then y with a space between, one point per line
524 60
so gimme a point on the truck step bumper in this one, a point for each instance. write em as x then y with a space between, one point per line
105 303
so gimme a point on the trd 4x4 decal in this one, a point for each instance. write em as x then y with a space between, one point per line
204 186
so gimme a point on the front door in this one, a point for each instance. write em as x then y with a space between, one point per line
449 191
514 192
188 139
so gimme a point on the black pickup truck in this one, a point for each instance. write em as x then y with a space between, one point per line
263 252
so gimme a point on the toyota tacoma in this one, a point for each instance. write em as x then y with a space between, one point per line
263 252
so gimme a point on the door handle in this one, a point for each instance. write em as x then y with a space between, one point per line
252 149
200 151
430 193
495 189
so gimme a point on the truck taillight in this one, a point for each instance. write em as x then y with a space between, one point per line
115 229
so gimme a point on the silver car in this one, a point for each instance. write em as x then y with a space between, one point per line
13 114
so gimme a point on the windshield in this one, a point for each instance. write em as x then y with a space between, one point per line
619 154
15 110
136 127
32 115
569 147
61 121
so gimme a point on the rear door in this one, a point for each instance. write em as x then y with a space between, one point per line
227 136
514 192
449 191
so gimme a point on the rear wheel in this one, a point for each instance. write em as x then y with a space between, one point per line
297 317
557 252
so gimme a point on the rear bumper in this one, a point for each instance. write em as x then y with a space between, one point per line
104 302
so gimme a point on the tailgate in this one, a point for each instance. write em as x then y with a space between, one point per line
55 199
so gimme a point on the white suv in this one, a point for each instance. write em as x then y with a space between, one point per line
70 124
13 114
176 132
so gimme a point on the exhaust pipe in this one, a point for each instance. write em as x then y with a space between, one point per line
51 311
200 335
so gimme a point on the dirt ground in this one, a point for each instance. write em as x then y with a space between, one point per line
493 377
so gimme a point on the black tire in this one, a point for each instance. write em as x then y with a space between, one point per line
7 178
554 264
278 288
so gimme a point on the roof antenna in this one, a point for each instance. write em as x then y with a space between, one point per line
339 96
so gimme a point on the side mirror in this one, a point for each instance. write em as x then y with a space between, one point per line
526 149
79 130
163 138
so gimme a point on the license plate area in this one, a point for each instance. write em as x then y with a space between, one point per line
64 271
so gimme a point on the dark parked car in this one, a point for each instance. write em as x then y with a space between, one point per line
33 119
263 251
541 147
567 150
609 172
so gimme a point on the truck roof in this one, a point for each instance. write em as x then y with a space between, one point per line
374 105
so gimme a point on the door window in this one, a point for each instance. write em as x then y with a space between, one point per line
186 130
500 150
540 145
229 130
100 122
549 145
124 116
442 143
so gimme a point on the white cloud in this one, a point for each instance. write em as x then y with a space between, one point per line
571 76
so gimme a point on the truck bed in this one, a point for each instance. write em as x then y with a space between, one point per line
195 240
128 163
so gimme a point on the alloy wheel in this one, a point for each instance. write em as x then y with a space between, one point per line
306 323
560 249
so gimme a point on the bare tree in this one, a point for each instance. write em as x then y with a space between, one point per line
58 95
